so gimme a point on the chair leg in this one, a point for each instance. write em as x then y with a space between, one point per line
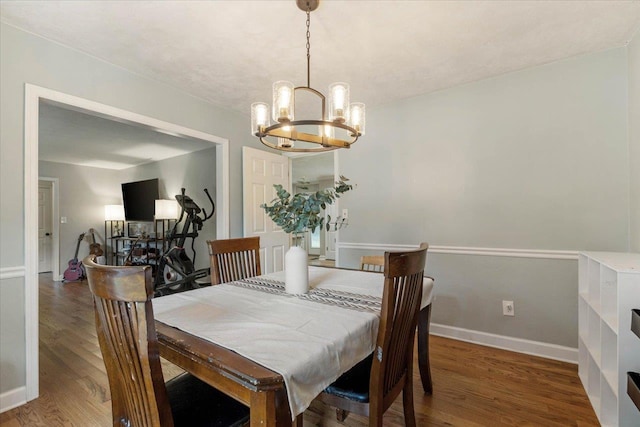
299 422
424 320
341 414
407 403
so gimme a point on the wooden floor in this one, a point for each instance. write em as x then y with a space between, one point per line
473 385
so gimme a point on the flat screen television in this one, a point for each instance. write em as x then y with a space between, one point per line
139 199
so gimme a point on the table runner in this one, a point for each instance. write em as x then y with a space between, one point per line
310 340
324 296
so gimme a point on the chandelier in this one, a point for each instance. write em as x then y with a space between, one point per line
338 126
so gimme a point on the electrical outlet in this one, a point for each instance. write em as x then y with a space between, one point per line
345 213
508 308
63 220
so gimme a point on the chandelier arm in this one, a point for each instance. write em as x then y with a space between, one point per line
354 133
296 149
316 93
289 131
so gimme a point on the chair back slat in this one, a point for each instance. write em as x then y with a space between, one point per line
392 364
372 263
234 259
128 342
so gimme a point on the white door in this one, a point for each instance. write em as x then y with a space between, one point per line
330 236
45 225
260 171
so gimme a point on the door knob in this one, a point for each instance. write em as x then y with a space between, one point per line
47 234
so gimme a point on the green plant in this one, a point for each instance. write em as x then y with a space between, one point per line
303 211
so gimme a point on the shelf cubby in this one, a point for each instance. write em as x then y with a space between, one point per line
609 335
633 388
594 284
609 297
635 321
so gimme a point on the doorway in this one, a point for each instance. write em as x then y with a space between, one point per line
46 218
33 96
260 171
313 172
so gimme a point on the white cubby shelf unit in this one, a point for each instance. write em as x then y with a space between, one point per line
608 291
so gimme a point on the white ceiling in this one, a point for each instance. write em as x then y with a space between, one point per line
230 52
73 137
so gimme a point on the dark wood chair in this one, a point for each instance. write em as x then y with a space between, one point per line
234 259
370 387
129 346
372 263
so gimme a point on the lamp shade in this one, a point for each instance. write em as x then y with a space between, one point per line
339 102
357 117
283 101
166 209
114 212
259 116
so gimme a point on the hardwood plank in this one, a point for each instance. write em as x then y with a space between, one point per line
472 385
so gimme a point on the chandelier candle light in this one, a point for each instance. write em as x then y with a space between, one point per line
344 125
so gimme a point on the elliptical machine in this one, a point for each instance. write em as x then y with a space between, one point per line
176 272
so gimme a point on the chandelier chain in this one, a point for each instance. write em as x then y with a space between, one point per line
308 45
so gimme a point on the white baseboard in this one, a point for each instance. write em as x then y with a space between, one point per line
519 345
13 398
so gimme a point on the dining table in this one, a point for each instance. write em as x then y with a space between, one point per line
274 351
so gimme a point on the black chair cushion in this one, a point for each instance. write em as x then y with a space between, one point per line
354 384
196 404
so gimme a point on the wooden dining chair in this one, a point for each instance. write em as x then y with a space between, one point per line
234 259
129 346
372 263
370 387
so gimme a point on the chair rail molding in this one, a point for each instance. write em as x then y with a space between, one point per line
466 250
12 272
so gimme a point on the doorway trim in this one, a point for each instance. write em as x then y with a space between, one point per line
33 95
55 219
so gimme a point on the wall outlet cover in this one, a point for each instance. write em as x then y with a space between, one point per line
508 308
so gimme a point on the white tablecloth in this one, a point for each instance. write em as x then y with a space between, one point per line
308 342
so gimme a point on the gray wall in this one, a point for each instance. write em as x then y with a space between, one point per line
83 193
634 140
30 59
85 190
535 159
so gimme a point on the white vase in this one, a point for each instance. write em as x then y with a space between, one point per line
296 269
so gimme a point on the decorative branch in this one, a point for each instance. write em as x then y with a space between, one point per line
302 211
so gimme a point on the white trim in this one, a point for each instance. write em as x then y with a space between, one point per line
33 96
462 250
222 191
519 345
336 178
12 272
31 117
13 398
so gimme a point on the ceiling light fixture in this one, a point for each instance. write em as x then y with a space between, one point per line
345 123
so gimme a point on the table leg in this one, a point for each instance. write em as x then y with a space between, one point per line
424 320
270 409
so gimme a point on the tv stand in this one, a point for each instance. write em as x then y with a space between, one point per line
140 250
